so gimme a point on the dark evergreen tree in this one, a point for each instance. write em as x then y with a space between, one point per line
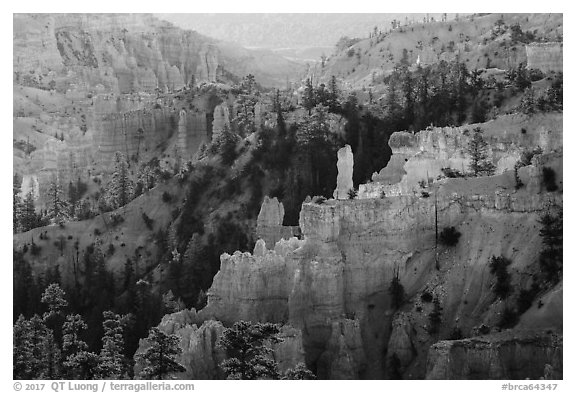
248 356
160 357
28 217
299 372
120 189
23 361
16 202
499 268
333 95
309 97
112 363
58 211
78 362
551 256
480 165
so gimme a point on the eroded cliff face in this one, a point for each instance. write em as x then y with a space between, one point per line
88 85
508 355
81 139
333 284
125 53
201 354
269 226
545 56
420 157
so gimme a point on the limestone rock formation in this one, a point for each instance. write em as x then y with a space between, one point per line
419 158
400 343
344 357
201 354
545 56
269 223
507 355
345 166
350 252
221 119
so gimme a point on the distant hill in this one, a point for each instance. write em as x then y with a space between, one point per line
278 31
480 41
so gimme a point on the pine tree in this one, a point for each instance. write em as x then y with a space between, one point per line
53 297
121 188
22 353
28 218
160 357
112 361
333 95
52 357
16 202
299 372
57 205
171 304
194 268
225 144
309 98
551 256
36 354
477 148
249 357
78 362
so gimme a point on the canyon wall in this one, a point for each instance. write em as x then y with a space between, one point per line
507 355
546 57
201 354
333 284
418 158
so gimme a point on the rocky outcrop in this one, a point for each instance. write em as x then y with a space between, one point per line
345 166
507 355
417 159
201 354
221 119
400 343
344 357
125 53
546 57
269 223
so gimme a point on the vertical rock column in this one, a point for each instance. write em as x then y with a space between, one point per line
345 166
269 223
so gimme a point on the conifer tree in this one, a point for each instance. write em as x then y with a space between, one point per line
16 202
22 354
551 256
28 218
57 205
299 372
53 297
78 362
112 361
309 98
121 186
480 165
249 357
160 357
333 95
